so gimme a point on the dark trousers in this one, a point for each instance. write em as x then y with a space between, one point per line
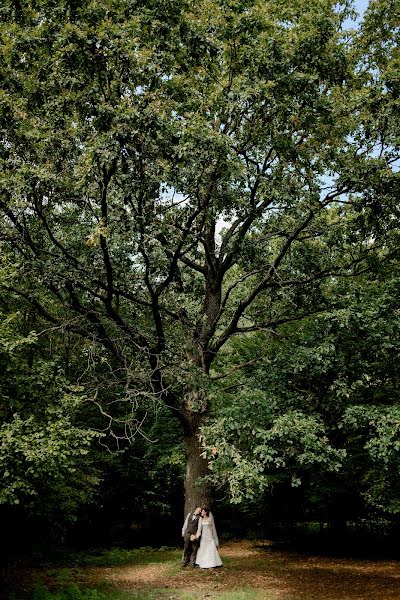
189 550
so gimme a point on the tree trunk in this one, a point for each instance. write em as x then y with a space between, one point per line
197 493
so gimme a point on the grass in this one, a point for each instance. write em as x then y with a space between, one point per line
117 557
73 592
250 573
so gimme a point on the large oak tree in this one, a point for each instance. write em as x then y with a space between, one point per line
177 173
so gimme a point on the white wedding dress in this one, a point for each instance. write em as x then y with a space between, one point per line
207 554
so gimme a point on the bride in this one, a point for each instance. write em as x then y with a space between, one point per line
207 554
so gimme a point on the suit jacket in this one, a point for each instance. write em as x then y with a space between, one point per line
190 525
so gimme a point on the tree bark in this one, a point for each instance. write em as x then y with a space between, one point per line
197 493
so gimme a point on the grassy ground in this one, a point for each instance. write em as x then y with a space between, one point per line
250 572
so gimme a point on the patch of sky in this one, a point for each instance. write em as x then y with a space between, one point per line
360 6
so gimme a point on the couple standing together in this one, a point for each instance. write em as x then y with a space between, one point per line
200 540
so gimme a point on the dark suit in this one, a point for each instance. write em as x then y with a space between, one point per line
189 547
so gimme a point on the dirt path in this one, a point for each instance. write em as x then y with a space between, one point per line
271 574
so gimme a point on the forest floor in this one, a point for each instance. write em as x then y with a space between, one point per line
250 572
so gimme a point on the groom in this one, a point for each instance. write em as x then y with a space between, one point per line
189 530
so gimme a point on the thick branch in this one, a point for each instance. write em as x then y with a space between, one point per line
107 174
243 304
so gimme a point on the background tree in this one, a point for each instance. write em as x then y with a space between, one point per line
313 428
178 174
46 471
59 485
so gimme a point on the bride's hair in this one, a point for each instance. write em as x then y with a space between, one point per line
207 511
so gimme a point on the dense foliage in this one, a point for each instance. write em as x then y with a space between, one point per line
199 255
42 448
319 409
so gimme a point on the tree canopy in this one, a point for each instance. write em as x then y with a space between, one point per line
177 175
